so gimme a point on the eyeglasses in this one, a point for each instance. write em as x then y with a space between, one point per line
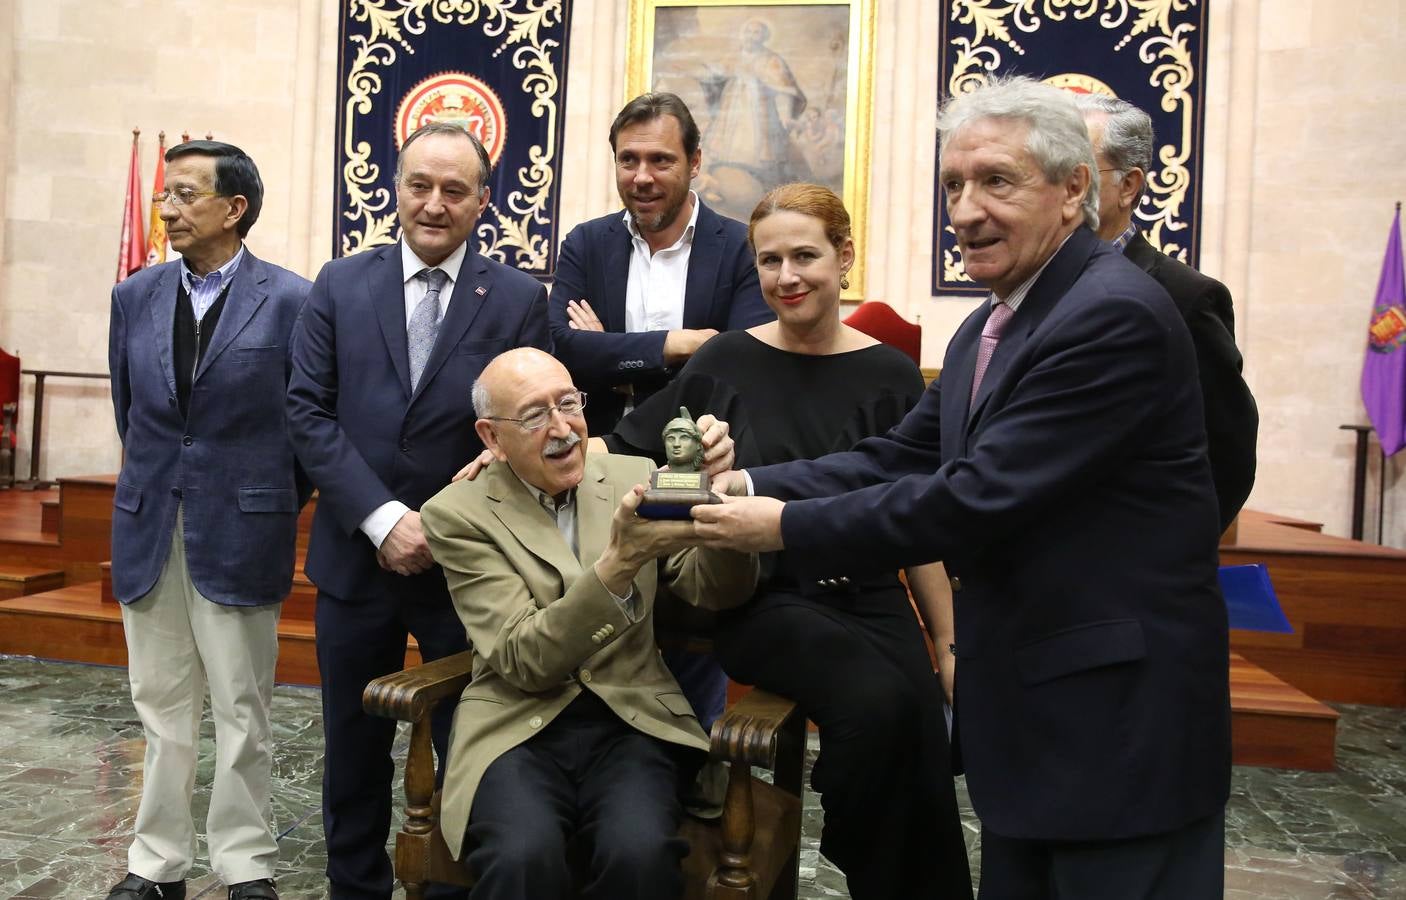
182 196
535 419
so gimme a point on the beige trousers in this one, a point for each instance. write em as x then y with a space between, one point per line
177 642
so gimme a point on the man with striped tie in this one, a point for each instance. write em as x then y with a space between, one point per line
384 359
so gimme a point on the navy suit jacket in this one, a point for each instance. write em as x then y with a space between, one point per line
1073 507
230 462
594 264
1232 420
362 435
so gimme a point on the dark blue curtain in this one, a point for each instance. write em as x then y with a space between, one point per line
1153 57
499 68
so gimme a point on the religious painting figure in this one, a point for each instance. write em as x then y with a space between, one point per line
748 142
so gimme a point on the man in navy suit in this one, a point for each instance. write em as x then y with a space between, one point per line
1059 470
637 292
1122 138
205 518
384 359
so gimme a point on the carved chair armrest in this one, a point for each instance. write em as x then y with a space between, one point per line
768 731
410 695
755 729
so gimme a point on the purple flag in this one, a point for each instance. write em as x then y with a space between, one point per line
1384 369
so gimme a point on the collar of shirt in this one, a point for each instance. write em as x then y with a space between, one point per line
416 288
562 511
204 291
657 284
1017 296
1120 243
685 238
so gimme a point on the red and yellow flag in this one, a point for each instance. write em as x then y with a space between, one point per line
156 243
131 253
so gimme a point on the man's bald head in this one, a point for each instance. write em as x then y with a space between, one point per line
506 368
520 398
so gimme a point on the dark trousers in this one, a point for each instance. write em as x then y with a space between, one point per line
359 640
1186 864
858 668
589 778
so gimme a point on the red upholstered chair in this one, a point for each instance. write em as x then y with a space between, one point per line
878 320
9 415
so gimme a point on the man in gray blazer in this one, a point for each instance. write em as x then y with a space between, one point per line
205 519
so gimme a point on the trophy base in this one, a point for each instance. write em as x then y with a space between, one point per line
673 503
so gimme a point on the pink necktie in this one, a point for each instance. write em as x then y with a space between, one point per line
990 336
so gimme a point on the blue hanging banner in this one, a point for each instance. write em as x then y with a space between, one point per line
1148 52
496 66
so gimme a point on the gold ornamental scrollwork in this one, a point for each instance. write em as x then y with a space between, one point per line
511 229
1162 46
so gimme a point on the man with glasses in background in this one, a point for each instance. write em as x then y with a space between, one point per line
384 359
1122 140
205 519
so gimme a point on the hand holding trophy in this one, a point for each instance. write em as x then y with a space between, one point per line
674 491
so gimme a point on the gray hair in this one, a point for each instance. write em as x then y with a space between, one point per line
482 400
485 165
1058 138
1127 133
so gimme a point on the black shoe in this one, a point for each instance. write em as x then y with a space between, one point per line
253 890
135 887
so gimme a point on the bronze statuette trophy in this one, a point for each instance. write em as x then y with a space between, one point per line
674 492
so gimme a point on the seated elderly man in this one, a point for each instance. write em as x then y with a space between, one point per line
572 728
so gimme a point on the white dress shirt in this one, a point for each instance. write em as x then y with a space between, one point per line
654 293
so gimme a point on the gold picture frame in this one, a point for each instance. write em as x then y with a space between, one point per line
782 90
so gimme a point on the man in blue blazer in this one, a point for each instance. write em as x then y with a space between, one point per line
637 292
1059 470
205 518
379 410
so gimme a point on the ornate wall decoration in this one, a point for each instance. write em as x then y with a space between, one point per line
496 66
1148 52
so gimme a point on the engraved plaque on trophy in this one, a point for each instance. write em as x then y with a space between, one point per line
673 492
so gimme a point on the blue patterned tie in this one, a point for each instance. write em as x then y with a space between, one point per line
424 323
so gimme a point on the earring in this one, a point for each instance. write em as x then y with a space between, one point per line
844 282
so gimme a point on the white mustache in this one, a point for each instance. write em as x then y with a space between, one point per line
560 445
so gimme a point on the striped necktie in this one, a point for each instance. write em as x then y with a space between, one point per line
990 337
423 328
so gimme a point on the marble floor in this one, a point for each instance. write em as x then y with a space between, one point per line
71 762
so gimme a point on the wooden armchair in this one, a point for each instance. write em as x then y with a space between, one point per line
752 852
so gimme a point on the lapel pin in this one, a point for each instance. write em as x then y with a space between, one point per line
480 290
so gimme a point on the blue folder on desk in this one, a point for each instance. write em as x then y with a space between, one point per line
1250 600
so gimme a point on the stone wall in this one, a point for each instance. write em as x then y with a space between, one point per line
1305 129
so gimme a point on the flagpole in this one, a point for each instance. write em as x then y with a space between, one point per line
133 240
1381 482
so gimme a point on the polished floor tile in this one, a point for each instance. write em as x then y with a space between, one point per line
71 763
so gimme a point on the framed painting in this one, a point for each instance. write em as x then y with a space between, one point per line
782 90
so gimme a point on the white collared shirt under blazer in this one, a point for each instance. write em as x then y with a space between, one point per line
543 626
